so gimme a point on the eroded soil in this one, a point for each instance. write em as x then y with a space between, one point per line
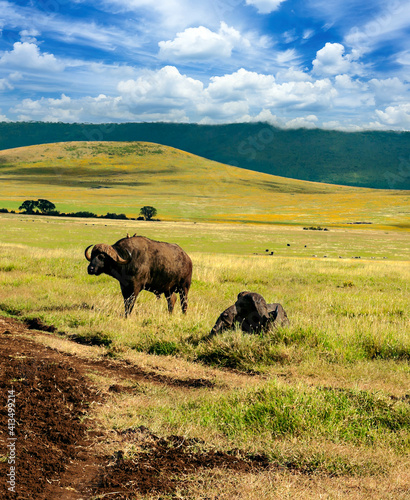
57 445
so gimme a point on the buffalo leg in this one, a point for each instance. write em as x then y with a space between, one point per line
130 296
183 295
171 298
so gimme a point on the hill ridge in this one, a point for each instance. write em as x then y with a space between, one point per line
376 159
121 177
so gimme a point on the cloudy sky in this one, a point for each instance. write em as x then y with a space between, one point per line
335 64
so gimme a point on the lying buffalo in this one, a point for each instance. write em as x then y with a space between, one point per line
252 313
139 263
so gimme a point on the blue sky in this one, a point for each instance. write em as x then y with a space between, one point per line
333 64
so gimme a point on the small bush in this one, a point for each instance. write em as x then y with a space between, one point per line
348 284
9 310
163 348
97 338
114 216
8 267
375 348
82 214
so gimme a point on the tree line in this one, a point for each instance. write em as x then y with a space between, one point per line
46 207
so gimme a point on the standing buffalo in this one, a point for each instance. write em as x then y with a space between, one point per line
139 263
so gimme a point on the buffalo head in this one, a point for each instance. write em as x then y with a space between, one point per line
252 308
101 258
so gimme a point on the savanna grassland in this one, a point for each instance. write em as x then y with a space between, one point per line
122 177
319 409
325 401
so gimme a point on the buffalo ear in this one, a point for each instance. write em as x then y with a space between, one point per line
127 259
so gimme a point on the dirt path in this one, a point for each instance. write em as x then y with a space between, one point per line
56 449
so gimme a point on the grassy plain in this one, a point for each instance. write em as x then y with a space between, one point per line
119 177
327 399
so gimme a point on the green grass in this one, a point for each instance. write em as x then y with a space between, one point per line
120 178
327 395
277 411
237 239
341 310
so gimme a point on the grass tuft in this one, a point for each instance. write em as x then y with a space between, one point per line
163 348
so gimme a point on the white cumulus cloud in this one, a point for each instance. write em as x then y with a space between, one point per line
309 121
26 55
29 35
397 117
242 84
165 85
202 43
388 89
292 75
3 118
345 82
331 60
292 99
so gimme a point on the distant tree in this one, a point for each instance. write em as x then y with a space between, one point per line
45 206
28 206
148 212
84 214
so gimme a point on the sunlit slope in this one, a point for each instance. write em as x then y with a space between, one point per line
121 177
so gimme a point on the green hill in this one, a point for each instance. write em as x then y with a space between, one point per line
368 159
121 177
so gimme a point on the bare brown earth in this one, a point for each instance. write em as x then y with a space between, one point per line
62 452
58 449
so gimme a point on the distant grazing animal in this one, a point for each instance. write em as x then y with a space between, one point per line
252 313
139 263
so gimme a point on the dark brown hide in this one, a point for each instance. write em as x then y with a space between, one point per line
252 313
139 263
225 321
252 309
277 315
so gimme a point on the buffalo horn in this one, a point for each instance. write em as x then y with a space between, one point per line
112 252
120 260
87 253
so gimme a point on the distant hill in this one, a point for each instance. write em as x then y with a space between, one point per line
369 159
121 177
